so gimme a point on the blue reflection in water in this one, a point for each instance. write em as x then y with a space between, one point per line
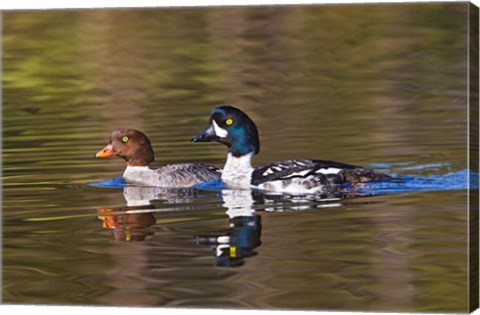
459 180
215 184
111 183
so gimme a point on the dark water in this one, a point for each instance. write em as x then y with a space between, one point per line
377 85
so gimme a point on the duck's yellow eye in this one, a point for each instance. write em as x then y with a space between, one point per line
229 121
125 139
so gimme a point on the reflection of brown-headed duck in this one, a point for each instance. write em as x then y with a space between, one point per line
135 148
127 227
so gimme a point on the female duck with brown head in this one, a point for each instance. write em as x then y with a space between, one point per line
134 147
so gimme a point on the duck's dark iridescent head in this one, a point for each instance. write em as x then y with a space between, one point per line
232 127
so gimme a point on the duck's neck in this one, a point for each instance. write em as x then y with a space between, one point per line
237 172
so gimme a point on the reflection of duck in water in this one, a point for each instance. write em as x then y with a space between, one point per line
232 127
244 232
127 226
129 223
135 148
144 195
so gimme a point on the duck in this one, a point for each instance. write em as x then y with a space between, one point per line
135 148
236 130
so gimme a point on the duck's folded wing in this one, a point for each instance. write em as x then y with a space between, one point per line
188 174
319 172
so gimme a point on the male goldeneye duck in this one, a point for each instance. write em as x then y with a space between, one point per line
135 148
233 128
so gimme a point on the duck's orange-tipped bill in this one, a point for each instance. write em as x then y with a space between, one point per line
106 152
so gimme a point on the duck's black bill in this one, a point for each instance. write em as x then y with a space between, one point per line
206 136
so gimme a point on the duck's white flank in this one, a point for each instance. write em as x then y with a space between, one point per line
140 174
290 186
237 172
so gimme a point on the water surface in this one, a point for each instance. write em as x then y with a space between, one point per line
376 85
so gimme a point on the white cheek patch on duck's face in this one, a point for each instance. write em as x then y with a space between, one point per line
219 131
